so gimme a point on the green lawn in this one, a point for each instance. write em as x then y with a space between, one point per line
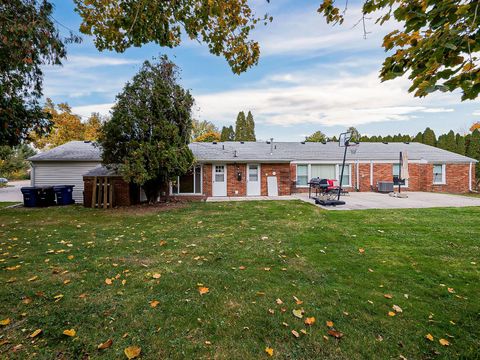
248 254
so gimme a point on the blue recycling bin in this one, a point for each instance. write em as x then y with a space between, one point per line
64 194
30 196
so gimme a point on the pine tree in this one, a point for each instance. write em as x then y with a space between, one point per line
473 149
442 142
450 143
418 138
460 144
429 137
250 128
227 134
240 127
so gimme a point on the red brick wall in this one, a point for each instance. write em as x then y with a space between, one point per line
207 180
282 172
236 187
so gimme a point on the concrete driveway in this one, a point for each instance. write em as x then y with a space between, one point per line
12 192
371 200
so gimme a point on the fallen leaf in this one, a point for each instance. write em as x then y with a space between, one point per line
12 268
203 290
329 323
429 337
241 268
154 303
279 301
297 300
35 333
82 296
70 257
361 251
391 313
388 296
208 342
309 321
108 281
336 334
271 311
27 300
295 333
269 351
70 332
303 331
156 276
444 342
451 291
298 313
105 345
266 269
4 322
33 278
397 308
132 352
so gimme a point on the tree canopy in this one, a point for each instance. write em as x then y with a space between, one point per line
317 136
29 40
148 134
200 128
210 136
436 43
245 127
227 134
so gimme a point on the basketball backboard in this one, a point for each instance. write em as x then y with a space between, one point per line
344 138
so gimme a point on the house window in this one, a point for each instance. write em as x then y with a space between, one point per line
439 174
190 183
302 175
346 175
323 171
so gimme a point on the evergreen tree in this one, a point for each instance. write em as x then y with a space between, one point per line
240 127
450 143
442 142
473 149
418 138
317 136
227 134
460 144
249 128
429 137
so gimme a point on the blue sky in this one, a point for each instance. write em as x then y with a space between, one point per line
311 76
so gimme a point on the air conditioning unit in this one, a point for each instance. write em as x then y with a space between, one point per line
385 186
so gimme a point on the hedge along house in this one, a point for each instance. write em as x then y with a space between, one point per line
267 168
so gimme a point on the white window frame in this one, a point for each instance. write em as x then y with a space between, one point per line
189 194
444 174
337 173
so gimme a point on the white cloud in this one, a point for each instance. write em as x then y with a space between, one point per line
476 113
87 62
310 97
86 110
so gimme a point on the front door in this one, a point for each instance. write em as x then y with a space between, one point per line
219 180
253 180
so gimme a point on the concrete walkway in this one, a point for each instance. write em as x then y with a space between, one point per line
248 198
372 200
12 191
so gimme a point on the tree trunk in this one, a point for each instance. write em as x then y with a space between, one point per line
152 190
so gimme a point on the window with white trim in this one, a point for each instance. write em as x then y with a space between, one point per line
190 183
439 174
302 175
346 175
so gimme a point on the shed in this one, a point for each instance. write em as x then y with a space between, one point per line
65 165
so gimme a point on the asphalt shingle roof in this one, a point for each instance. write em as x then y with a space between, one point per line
71 151
281 152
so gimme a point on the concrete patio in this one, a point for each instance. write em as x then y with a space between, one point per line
249 198
372 200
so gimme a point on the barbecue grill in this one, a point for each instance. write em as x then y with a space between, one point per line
323 187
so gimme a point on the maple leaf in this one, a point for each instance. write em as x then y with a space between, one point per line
70 332
297 300
269 351
336 334
361 251
391 313
444 342
33 278
279 301
108 281
429 337
397 308
203 290
154 303
388 296
298 313
329 323
132 352
156 276
105 345
295 333
309 321
4 322
35 333
451 290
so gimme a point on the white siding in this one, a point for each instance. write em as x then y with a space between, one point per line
62 173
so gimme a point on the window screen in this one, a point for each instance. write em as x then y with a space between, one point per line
438 174
302 175
323 171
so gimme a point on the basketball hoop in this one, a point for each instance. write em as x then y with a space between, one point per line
353 148
344 139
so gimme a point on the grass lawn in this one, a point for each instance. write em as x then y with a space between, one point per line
54 266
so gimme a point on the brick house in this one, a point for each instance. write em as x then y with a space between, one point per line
264 168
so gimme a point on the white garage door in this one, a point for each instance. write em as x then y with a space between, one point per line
62 173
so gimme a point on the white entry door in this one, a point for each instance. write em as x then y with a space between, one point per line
253 180
219 180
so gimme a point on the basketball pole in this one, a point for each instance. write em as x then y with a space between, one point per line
343 168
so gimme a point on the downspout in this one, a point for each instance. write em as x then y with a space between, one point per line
470 177
358 176
32 175
371 175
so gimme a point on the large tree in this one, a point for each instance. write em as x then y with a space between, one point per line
250 128
435 42
29 40
228 134
148 134
200 128
66 126
317 136
13 161
241 127
429 137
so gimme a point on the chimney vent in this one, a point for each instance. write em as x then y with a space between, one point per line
271 146
235 153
